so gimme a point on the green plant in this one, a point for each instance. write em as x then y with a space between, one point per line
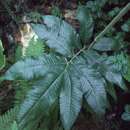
2 56
127 74
14 126
126 26
126 114
7 121
86 23
56 11
70 74
35 48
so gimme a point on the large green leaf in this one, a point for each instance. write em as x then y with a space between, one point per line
39 100
95 91
67 81
96 96
106 44
2 57
66 78
58 35
61 80
112 69
70 99
86 23
31 68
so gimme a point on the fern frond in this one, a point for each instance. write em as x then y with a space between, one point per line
14 126
8 119
36 48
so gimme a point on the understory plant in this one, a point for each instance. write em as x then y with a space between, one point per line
70 73
2 56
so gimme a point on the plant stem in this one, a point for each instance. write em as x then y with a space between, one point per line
107 28
111 24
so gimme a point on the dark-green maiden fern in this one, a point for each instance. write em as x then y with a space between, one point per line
8 121
64 76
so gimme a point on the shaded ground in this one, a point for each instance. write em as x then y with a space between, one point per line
8 29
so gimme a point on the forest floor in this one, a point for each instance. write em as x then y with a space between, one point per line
7 30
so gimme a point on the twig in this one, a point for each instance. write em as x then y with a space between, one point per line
107 28
111 24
